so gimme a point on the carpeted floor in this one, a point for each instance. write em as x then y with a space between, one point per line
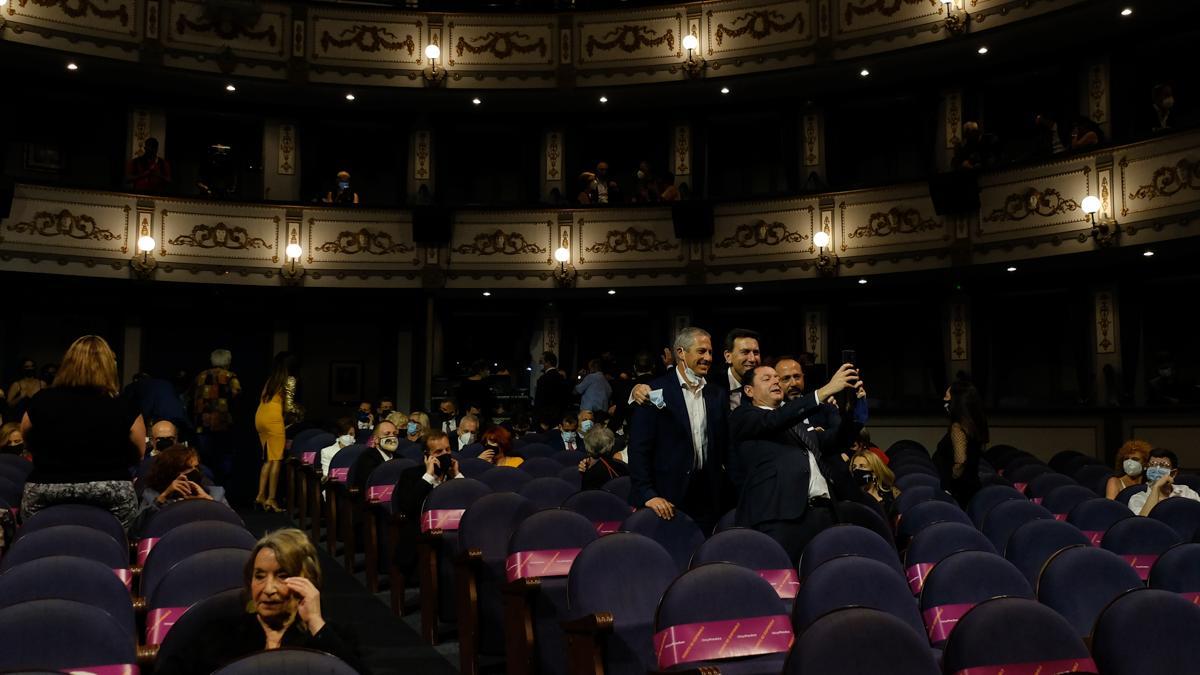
388 644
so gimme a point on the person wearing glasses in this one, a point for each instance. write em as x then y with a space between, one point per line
1161 469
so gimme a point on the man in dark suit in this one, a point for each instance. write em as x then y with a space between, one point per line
566 435
826 420
786 489
387 440
553 393
678 441
741 354
414 486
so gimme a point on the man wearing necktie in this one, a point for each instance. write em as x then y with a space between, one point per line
742 354
677 443
785 488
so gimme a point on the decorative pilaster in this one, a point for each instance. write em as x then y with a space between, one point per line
553 178
815 334
949 134
420 167
1096 103
812 150
281 161
146 123
681 156
958 336
1106 347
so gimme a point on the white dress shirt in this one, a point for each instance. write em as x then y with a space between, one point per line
817 485
434 480
1138 500
735 390
698 417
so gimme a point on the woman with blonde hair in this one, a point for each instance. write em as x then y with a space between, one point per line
418 424
283 609
83 438
1129 469
277 410
11 440
875 479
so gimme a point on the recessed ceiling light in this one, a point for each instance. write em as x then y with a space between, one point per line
230 87
983 50
349 97
1148 254
604 99
737 288
487 294
1128 11
724 90
611 292
476 100
862 281
864 73
72 66
1012 269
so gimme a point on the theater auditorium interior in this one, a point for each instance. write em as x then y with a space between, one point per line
604 337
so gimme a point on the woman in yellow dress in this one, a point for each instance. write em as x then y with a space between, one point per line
277 409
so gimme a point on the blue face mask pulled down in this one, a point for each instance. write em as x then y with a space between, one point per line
1157 473
413 428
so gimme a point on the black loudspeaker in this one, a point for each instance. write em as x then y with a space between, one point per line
6 197
954 193
431 225
692 220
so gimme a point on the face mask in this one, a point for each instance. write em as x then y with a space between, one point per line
413 428
1132 467
1157 473
585 426
161 444
568 436
691 377
443 465
15 448
345 439
863 476
641 175
389 443
467 438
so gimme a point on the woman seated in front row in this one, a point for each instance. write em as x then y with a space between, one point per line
875 479
283 609
601 465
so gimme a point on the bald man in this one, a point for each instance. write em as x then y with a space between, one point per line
162 436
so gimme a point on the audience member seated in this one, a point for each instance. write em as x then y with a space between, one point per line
518 425
874 478
83 437
387 406
466 432
24 389
601 465
1162 103
387 441
1161 469
414 485
342 194
565 436
173 476
283 601
148 173
364 418
597 187
345 437
1085 134
400 419
447 416
418 425
497 448
11 440
647 186
1129 469
594 388
863 442
163 435
976 150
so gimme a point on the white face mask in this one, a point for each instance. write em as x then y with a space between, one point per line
389 443
467 438
691 377
345 439
1132 467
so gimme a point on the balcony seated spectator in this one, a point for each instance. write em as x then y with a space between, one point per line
148 173
342 193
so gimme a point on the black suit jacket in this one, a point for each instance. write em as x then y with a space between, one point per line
552 397
367 461
412 490
769 464
661 452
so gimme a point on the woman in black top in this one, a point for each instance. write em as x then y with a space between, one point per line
958 453
83 437
282 588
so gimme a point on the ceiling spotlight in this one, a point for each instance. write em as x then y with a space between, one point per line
864 73
230 87
487 294
1012 269
476 100
724 90
1148 254
611 292
604 99
983 50
72 66
349 97
737 288
861 282
1128 11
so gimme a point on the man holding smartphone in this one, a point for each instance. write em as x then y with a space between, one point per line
342 194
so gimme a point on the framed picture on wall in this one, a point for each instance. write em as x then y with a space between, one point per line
345 382
40 157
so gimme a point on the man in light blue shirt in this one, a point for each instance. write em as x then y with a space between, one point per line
594 389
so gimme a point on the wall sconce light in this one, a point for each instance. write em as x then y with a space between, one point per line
290 272
1104 232
434 76
565 275
694 67
956 19
143 265
826 264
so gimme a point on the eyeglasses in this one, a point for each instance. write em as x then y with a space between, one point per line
1161 465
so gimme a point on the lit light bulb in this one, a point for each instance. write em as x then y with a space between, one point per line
293 251
690 42
604 99
724 90
821 239
864 73
230 87
349 97
561 254
476 100
737 288
145 243
983 50
862 281
70 66
433 52
1091 204
612 292
1128 11
487 294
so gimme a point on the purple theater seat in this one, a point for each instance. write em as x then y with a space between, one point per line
961 581
842 540
541 552
289 660
1061 500
74 514
505 478
934 543
921 493
680 535
1022 476
754 551
1035 542
41 627
1178 570
571 475
189 581
1042 485
620 487
187 540
906 447
1079 582
1140 541
987 498
716 598
1008 632
70 540
547 493
1094 477
440 517
726 521
569 457
473 467
531 450
913 480
1167 620
68 578
1096 515
541 467
928 513
605 510
381 483
833 645
854 581
1182 515
1007 516
342 465
18 463
227 605
1126 494
613 591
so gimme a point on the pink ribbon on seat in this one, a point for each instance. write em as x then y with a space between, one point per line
159 622
1037 668
116 669
941 620
309 458
544 563
604 527
340 474
916 576
441 519
378 494
1094 536
1141 564
715 640
785 581
144 546
125 575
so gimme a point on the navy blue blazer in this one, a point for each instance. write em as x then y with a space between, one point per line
661 452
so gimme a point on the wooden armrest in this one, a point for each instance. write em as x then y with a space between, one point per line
466 565
519 637
139 604
601 622
522 586
146 656
586 636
